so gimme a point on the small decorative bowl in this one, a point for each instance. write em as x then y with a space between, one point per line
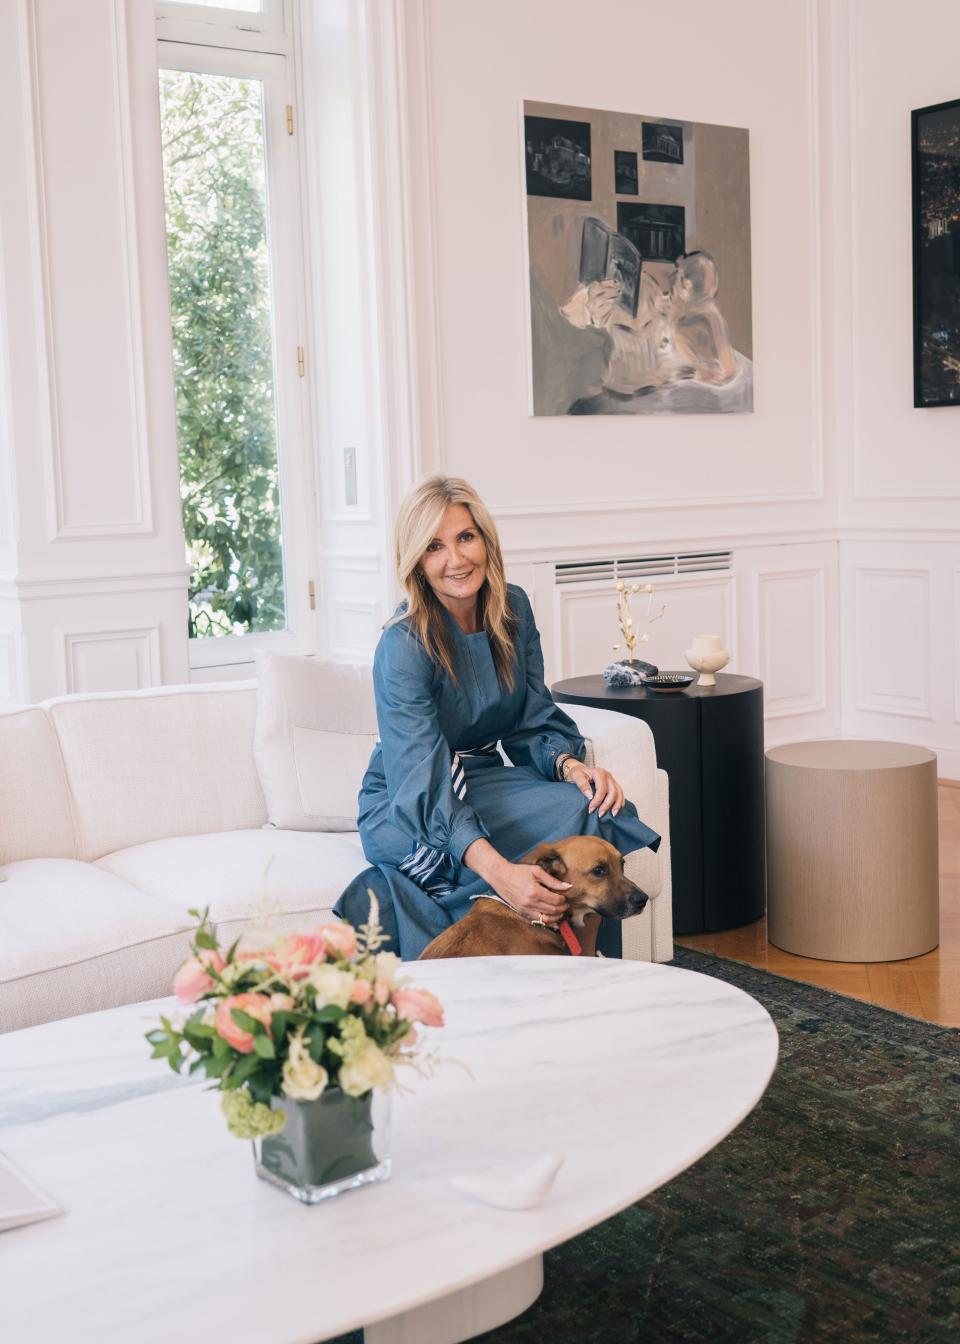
669 681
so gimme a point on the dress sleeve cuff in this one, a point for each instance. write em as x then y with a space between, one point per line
465 831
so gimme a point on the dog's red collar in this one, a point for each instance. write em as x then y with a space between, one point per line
570 938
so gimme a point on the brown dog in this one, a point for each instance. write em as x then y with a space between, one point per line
599 887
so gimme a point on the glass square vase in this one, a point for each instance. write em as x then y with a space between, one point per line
326 1146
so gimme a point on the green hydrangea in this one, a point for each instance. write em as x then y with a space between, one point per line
352 1038
249 1119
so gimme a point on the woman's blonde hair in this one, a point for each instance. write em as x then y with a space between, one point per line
417 523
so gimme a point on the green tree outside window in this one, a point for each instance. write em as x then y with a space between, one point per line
214 182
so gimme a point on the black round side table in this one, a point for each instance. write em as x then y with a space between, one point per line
709 739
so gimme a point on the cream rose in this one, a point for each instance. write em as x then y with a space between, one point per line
370 1068
387 964
332 986
303 1078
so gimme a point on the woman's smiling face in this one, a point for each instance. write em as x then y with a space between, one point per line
455 562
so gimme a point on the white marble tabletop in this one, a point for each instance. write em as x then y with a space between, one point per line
632 1070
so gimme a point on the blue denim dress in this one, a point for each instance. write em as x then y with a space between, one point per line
435 782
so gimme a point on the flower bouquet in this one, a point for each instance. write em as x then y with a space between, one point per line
297 1034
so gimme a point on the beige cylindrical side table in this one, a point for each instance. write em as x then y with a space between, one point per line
852 861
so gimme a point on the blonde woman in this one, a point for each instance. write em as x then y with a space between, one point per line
458 670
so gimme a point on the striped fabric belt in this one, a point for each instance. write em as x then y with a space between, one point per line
434 870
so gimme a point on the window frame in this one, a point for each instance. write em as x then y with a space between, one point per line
288 323
180 21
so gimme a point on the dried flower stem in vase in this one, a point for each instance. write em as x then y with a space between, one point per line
625 618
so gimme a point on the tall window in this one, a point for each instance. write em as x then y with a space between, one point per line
216 204
236 285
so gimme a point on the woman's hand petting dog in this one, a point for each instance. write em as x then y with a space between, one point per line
532 891
529 890
597 785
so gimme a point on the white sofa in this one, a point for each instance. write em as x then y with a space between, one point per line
121 812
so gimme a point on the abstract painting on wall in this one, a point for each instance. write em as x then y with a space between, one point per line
936 254
638 233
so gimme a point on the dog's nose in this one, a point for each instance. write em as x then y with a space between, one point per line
637 900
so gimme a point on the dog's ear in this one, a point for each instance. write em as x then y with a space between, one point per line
552 862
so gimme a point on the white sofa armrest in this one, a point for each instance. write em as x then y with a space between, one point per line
621 744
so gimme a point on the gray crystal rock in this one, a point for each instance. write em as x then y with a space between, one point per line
627 673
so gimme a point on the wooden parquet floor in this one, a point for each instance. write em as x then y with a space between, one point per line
927 987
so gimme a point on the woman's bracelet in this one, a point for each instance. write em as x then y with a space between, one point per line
562 763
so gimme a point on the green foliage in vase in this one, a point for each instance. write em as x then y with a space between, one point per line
222 345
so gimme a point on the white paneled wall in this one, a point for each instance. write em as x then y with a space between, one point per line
92 572
900 616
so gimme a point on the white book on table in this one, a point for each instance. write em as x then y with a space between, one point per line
21 1199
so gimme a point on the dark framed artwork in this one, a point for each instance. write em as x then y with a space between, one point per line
662 143
558 158
625 172
935 139
658 232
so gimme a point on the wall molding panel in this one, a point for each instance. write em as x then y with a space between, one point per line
781 601
892 634
39 590
107 660
352 562
100 380
354 628
561 509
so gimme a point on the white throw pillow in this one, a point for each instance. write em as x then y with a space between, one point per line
316 726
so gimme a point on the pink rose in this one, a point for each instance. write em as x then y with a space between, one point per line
419 1005
250 954
294 956
361 993
341 939
381 991
192 979
255 1005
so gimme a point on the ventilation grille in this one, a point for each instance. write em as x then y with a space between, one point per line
642 567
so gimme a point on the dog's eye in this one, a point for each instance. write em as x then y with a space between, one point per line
599 871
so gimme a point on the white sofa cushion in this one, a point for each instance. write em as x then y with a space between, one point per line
150 764
71 934
241 875
35 815
316 726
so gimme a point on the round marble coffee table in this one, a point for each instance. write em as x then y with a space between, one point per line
631 1070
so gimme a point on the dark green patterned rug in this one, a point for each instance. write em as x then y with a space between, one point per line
831 1214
